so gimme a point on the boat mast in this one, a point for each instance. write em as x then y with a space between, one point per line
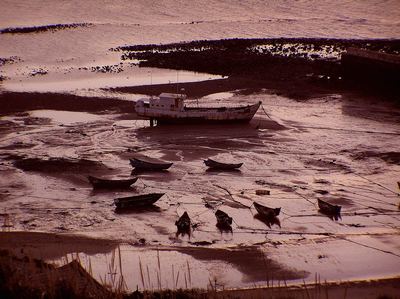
177 81
151 84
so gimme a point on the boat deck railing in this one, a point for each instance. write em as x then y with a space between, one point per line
192 104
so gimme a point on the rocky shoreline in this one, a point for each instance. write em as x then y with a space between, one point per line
36 29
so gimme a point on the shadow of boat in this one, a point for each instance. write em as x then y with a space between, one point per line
143 171
224 228
269 221
110 184
332 216
217 170
96 191
138 210
222 134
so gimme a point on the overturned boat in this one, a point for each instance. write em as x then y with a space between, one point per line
171 108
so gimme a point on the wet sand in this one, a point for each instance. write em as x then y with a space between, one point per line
48 246
21 245
333 144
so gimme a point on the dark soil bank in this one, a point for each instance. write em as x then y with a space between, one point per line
36 29
22 101
295 67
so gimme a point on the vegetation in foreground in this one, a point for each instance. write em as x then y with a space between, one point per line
32 278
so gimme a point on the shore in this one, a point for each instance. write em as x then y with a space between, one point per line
27 251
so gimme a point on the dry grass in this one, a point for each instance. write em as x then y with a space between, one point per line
32 278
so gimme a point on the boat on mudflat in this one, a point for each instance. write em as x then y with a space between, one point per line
171 108
137 201
183 224
328 208
223 219
99 183
267 211
223 166
146 165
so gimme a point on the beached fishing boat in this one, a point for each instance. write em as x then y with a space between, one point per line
183 223
146 165
267 211
327 208
223 219
99 183
223 166
171 108
137 201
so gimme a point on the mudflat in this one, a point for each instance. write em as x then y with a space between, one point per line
313 138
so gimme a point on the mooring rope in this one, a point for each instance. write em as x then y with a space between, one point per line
262 107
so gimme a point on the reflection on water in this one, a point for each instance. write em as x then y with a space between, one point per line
77 81
66 117
138 210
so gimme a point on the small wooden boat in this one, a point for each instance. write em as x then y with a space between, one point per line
151 166
267 211
223 219
99 183
137 201
219 165
328 208
183 223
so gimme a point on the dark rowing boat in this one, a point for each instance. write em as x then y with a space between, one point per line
151 166
327 208
99 183
219 165
267 211
183 224
137 201
223 219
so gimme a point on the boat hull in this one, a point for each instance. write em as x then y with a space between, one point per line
144 165
137 201
267 211
99 183
222 166
199 115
